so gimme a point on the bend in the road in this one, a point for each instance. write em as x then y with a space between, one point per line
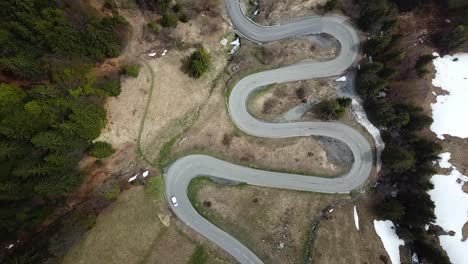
181 172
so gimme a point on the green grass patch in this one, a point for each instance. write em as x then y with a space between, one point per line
194 186
112 193
132 70
199 256
155 186
165 150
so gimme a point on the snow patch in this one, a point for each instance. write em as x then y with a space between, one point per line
236 46
451 207
349 90
145 174
341 79
386 231
450 109
133 178
361 118
152 54
356 218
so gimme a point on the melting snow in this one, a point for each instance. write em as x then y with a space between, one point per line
450 109
349 90
451 207
341 79
386 231
133 178
356 218
236 46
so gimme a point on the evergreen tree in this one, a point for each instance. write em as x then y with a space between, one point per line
101 150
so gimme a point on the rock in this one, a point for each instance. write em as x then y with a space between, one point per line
165 219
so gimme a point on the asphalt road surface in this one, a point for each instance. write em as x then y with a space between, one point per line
182 171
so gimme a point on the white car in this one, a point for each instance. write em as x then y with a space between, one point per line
174 201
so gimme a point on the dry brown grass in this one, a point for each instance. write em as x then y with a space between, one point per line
284 97
338 241
272 12
273 223
130 231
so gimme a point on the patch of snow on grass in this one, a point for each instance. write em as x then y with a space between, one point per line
449 110
356 218
451 207
386 231
236 46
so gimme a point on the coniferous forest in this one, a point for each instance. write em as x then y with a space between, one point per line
50 101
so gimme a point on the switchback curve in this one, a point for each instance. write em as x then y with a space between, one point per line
183 170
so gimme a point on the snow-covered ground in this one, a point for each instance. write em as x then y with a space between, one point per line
449 110
386 231
451 209
356 218
450 118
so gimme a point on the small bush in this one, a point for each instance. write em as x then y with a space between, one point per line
110 4
111 87
198 62
132 70
422 62
169 19
112 193
199 256
330 5
177 7
183 17
153 26
332 109
101 150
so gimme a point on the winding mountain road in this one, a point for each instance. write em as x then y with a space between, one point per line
182 171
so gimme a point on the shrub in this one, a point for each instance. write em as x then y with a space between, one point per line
422 62
330 5
183 17
169 19
198 62
177 7
112 193
110 4
199 256
332 109
111 87
153 26
132 70
452 39
101 150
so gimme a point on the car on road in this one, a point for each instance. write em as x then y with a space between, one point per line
174 201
